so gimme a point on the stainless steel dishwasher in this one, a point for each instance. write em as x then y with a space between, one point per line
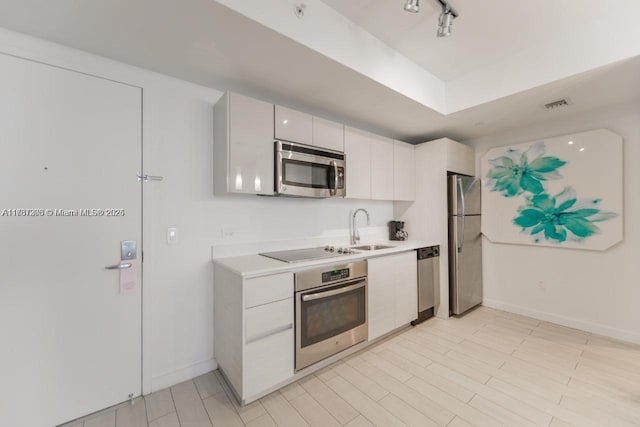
428 282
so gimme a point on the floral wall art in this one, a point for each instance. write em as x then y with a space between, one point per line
564 191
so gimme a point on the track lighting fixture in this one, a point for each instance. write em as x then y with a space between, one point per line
445 21
412 6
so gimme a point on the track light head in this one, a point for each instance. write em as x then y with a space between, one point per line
412 6
445 21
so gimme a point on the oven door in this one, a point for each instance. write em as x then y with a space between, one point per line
329 320
308 173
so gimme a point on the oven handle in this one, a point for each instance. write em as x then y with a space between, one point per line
359 284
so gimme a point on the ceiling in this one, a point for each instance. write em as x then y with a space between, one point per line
204 42
485 31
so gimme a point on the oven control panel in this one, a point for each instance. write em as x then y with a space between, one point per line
330 276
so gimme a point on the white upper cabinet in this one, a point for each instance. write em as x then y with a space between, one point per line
460 158
243 145
404 171
382 168
244 131
328 134
292 125
357 149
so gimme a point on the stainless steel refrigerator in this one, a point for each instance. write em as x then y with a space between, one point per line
465 243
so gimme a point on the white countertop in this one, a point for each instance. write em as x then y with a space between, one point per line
256 265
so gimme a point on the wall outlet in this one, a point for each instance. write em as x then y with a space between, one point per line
227 233
541 285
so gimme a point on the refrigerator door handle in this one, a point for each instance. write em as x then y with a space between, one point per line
461 234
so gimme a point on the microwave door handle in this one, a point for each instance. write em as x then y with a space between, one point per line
318 295
332 189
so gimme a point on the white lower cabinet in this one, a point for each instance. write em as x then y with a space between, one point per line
393 292
267 319
268 361
381 297
253 330
406 288
254 320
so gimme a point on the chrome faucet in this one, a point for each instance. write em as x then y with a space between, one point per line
355 236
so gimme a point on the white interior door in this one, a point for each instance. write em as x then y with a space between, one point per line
71 341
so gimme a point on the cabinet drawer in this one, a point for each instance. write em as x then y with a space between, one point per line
268 319
263 290
267 362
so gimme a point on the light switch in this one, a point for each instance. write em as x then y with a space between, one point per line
172 236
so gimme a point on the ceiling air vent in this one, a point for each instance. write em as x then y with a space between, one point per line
560 103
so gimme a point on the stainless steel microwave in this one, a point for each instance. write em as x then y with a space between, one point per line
308 171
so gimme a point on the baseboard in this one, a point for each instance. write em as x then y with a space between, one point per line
183 374
595 328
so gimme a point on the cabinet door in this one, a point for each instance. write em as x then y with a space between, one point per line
357 148
269 346
251 158
382 168
381 295
406 286
328 134
267 362
404 171
292 125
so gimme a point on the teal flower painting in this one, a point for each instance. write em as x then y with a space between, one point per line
564 191
561 217
519 171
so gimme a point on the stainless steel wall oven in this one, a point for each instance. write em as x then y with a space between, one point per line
331 311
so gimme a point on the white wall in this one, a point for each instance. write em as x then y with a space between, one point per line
593 291
178 145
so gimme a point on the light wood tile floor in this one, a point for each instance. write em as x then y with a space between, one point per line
487 368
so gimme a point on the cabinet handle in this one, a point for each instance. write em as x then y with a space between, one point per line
271 332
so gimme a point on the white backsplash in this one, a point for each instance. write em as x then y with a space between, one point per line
335 237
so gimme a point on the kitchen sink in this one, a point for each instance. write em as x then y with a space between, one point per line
371 247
